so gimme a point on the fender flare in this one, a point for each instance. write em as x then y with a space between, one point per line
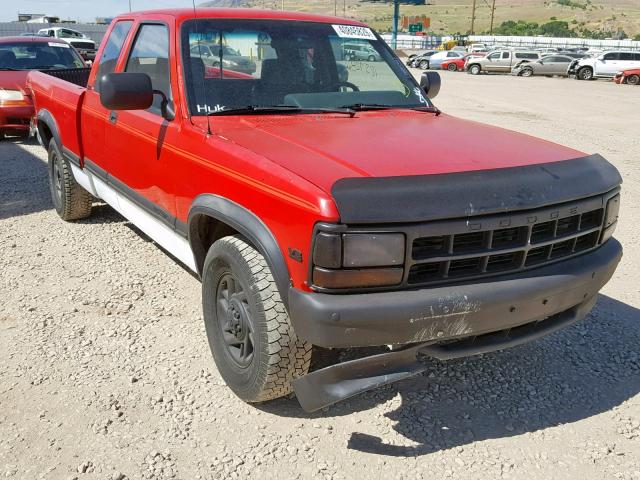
247 224
44 116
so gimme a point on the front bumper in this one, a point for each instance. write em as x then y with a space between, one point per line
452 311
16 118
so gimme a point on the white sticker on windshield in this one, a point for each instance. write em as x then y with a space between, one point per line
59 45
353 31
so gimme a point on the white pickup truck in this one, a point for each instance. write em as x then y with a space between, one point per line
85 46
604 66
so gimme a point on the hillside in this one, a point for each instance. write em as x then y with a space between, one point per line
451 16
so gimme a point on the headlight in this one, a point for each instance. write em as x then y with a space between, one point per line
11 96
353 260
611 218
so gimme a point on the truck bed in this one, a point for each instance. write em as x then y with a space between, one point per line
60 93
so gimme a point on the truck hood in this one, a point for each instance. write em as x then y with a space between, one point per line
326 148
14 80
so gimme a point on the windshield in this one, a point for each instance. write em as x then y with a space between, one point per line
266 63
38 55
64 33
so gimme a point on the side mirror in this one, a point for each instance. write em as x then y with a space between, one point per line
126 91
430 83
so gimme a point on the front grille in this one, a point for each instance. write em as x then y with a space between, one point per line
83 45
456 250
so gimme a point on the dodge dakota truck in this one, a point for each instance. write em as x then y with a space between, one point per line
290 190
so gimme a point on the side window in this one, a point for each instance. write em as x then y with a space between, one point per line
111 50
505 54
150 55
494 56
627 56
611 56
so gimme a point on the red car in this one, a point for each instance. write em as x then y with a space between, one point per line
454 64
18 55
296 194
632 77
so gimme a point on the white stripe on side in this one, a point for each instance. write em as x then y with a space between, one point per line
166 237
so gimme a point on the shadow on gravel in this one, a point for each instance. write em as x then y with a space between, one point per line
24 187
583 371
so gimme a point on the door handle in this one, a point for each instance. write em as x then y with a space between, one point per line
113 117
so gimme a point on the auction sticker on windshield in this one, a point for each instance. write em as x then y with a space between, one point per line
353 31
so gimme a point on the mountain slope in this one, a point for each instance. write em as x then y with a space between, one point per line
451 16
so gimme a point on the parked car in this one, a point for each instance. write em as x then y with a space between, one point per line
606 65
435 61
500 61
360 51
422 61
631 77
552 65
477 48
18 55
214 55
323 225
85 46
454 64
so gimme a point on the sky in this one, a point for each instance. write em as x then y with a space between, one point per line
82 10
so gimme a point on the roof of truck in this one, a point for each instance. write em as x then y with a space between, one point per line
182 14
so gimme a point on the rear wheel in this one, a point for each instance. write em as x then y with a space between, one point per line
474 69
372 58
250 335
71 201
585 73
633 79
452 67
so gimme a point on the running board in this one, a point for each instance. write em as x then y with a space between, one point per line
333 384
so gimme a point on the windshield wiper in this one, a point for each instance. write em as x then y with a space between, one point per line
360 107
275 109
9 69
435 110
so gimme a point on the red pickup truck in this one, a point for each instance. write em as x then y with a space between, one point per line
294 193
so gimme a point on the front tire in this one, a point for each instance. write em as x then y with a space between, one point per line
71 201
526 72
424 65
633 80
253 343
585 73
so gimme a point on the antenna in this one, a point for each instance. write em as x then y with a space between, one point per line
204 90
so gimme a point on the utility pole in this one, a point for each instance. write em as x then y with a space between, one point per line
473 16
129 6
335 8
493 11
344 8
282 5
396 18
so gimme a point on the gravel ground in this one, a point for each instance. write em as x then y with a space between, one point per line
105 371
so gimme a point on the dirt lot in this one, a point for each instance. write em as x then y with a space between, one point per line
105 371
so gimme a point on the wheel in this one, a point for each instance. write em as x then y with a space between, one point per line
452 67
250 335
633 79
526 72
71 201
585 73
424 64
372 58
474 69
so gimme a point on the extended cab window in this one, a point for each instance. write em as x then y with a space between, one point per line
150 55
112 50
505 54
233 64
